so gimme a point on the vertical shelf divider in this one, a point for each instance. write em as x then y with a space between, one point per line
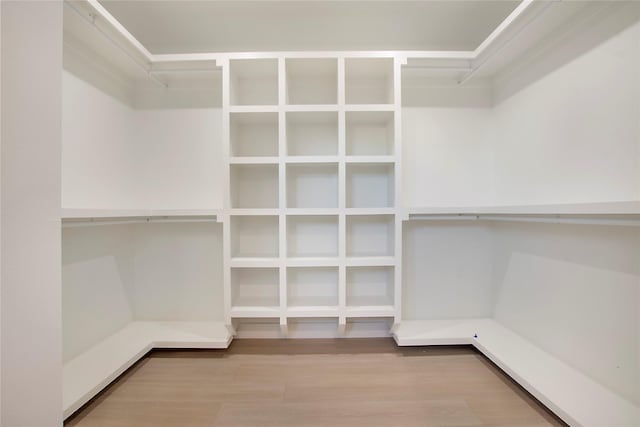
398 202
282 183
342 200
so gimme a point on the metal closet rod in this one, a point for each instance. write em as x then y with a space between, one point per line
87 222
556 219
144 66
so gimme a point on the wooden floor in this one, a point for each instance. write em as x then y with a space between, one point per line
355 382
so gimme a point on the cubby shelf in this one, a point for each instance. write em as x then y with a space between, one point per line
254 186
312 80
312 185
370 133
312 167
370 185
369 81
254 81
253 134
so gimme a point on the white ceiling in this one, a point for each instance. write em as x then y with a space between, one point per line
236 26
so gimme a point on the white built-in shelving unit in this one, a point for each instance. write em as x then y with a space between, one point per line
312 208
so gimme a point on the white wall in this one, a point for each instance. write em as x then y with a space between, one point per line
574 135
178 272
116 157
447 270
97 284
31 139
98 157
447 157
178 154
574 290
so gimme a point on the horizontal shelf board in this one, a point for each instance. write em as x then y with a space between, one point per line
254 311
370 261
253 160
370 159
371 211
254 211
88 217
312 261
253 108
71 213
312 159
603 208
312 311
88 373
370 311
311 107
254 262
312 211
369 107
573 396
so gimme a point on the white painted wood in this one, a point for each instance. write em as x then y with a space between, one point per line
576 398
254 186
88 373
309 287
312 133
254 81
370 133
370 235
370 185
254 134
370 286
604 209
312 81
369 81
312 236
31 104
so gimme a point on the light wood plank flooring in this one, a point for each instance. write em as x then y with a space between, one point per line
355 382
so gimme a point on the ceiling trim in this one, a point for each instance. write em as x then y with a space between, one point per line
112 29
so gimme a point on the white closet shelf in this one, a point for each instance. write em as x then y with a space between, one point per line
254 311
312 159
574 397
311 108
370 261
370 311
88 373
370 159
369 107
253 109
312 261
76 217
312 311
254 262
610 213
602 208
253 160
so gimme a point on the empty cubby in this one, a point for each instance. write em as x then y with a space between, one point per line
254 186
369 80
312 236
370 235
370 286
312 81
370 133
254 236
370 185
312 133
254 134
254 81
255 287
313 185
312 286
